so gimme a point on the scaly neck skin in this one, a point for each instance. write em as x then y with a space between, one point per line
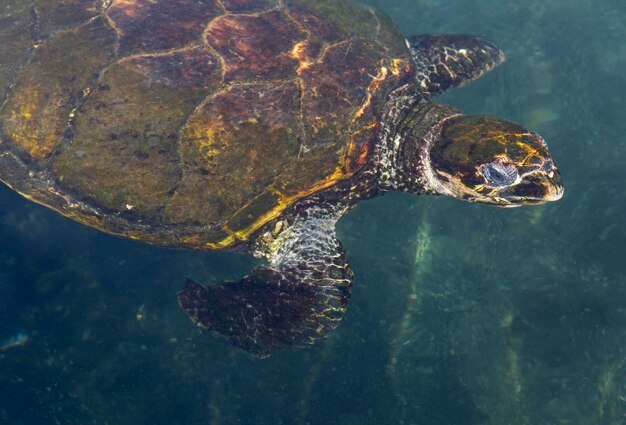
412 124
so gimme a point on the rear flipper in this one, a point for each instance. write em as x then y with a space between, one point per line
451 60
299 299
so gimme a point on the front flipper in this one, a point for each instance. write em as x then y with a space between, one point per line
299 299
451 60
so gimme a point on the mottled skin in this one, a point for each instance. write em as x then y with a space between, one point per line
247 124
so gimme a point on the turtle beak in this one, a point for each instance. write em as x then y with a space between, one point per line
537 187
553 185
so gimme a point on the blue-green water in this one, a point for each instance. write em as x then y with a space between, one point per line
461 314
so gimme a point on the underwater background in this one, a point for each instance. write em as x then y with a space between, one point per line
461 314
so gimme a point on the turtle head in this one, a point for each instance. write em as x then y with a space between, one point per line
490 160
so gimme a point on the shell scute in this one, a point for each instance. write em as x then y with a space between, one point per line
152 26
335 88
52 85
133 165
63 14
256 46
15 48
233 147
316 26
192 68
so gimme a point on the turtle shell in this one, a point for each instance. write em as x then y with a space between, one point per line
189 122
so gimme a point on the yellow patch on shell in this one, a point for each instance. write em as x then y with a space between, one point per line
398 66
283 203
374 85
207 143
298 53
25 129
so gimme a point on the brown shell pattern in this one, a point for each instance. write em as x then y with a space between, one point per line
190 122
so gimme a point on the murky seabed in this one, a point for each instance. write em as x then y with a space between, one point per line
461 314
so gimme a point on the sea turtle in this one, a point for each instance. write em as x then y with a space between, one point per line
251 125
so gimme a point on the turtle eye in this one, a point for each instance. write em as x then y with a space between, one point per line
497 175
